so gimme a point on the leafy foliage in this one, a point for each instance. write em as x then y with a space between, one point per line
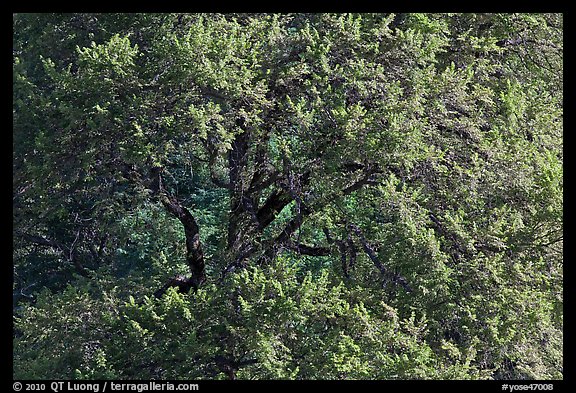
355 196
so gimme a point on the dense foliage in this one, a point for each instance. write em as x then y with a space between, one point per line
294 196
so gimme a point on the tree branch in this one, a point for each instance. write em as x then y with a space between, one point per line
366 179
368 249
397 278
68 252
272 207
194 252
310 250
181 282
291 227
258 184
42 241
237 160
278 200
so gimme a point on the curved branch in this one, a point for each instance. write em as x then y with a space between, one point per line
194 252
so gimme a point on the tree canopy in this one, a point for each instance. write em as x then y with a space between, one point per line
288 196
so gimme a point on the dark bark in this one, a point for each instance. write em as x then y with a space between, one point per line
348 251
272 206
327 234
282 240
244 254
264 174
278 200
369 250
366 179
194 252
260 182
242 232
352 166
183 284
310 250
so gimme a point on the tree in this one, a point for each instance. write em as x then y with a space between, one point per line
415 158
